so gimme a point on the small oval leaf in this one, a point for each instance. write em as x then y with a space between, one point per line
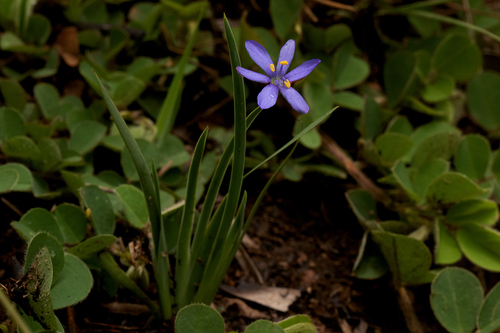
456 296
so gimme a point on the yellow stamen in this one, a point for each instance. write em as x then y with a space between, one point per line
284 62
272 67
287 83
87 213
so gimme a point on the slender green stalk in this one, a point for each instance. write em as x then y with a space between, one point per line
439 17
215 184
206 292
141 166
295 138
11 310
183 248
166 117
203 241
236 180
162 266
110 265
163 281
221 258
264 191
412 6
200 261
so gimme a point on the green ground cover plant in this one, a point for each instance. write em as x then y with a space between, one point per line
426 158
204 244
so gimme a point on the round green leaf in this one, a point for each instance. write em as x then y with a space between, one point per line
12 92
145 15
438 145
489 316
399 76
294 320
481 245
311 139
392 146
371 119
74 181
134 204
101 210
56 252
25 181
473 211
370 263
124 89
319 98
92 245
400 124
483 99
402 176
446 248
11 123
452 187
473 156
457 56
264 326
425 131
426 173
86 135
348 100
47 98
38 29
73 285
439 90
409 259
50 155
456 296
362 204
283 14
348 70
8 180
21 147
72 222
199 318
36 220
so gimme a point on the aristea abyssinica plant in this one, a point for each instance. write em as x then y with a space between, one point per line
207 241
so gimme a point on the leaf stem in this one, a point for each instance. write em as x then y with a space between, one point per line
407 10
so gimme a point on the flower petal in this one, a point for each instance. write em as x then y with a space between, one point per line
302 71
268 96
297 102
253 76
260 56
286 55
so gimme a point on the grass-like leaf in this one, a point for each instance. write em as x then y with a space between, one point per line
166 117
147 184
184 244
409 10
295 138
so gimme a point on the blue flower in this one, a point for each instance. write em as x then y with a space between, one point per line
277 78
